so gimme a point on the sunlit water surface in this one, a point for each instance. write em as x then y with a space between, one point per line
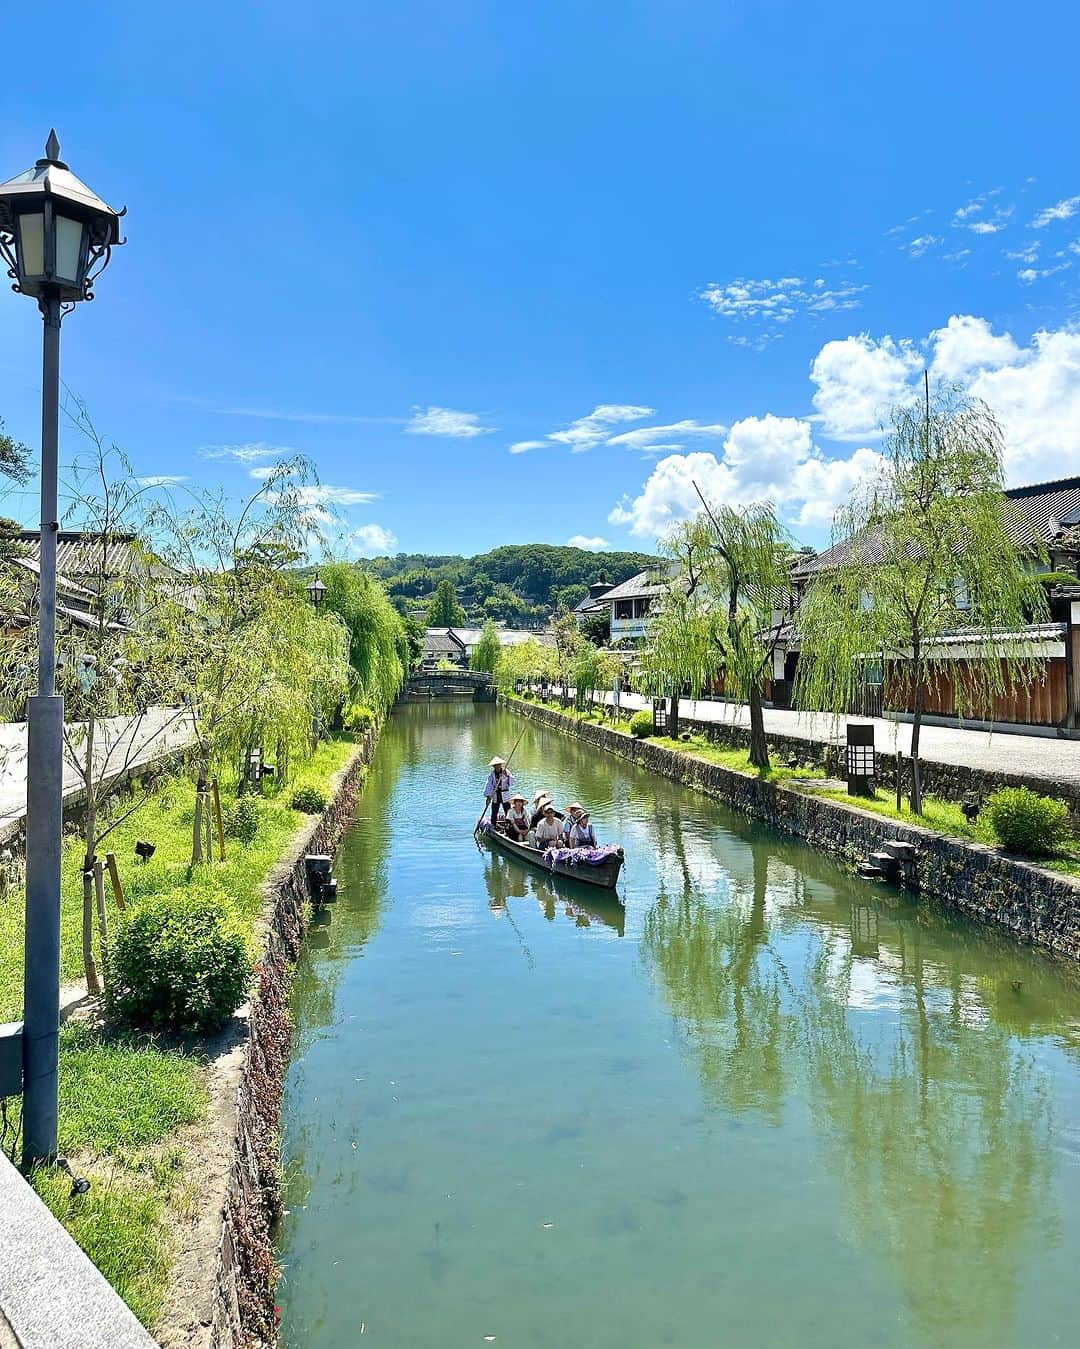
773 1106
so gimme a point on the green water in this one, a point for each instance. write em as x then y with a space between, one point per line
775 1106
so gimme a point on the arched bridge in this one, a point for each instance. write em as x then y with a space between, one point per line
475 684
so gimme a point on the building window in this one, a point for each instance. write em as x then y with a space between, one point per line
624 609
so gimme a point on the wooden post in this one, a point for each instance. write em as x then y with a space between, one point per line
114 876
220 822
899 779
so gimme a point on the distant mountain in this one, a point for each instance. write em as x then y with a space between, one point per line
520 584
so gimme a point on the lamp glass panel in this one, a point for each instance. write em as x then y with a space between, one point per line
68 248
32 243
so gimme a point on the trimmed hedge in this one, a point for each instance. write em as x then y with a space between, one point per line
309 800
1025 822
641 725
180 962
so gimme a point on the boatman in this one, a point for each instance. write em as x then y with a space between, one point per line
497 788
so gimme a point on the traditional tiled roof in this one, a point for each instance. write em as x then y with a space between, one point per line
79 554
642 586
1040 512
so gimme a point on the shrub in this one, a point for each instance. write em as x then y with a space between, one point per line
641 724
180 962
242 819
1025 822
357 717
308 799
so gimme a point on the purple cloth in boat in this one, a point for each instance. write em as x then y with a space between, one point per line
592 857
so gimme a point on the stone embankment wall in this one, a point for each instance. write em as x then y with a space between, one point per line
950 782
243 1315
1035 905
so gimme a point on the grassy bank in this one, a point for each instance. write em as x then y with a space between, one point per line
131 1104
940 817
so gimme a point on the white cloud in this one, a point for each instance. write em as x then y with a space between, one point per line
772 304
1037 398
653 439
1029 253
966 345
858 380
958 256
323 494
1062 210
523 446
764 458
162 480
246 454
372 541
595 544
434 421
1029 274
589 431
918 246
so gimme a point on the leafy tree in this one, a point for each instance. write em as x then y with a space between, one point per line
258 664
444 611
528 662
927 553
485 654
596 628
14 457
568 642
718 615
379 650
592 671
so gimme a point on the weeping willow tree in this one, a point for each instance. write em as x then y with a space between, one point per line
924 553
253 661
526 662
592 671
377 638
722 610
485 654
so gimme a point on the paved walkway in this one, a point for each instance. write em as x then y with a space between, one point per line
125 745
1052 759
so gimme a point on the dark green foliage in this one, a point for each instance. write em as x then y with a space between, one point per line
180 963
14 457
641 725
517 584
485 655
308 799
444 611
596 628
242 819
1026 822
357 717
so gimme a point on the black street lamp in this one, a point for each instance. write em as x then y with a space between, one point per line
316 592
56 237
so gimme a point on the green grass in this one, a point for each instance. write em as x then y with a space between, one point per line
943 817
166 821
122 1223
123 1095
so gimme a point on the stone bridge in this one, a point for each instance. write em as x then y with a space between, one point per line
475 684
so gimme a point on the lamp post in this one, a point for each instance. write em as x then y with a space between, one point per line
316 592
56 237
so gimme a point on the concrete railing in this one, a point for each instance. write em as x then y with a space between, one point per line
51 1296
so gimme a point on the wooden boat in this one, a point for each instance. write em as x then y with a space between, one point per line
604 874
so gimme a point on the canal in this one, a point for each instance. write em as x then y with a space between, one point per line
770 1105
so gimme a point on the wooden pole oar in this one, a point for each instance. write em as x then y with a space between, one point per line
517 742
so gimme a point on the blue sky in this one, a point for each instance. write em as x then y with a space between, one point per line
651 243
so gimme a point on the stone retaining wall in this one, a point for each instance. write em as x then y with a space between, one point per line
1035 905
950 782
243 1315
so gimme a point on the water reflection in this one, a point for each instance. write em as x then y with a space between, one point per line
765 1097
933 1119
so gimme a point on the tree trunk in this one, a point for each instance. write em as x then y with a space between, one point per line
93 984
89 839
103 922
759 746
197 824
673 714
916 728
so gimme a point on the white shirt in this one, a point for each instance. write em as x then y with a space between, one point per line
546 832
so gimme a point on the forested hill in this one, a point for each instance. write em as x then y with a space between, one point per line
518 584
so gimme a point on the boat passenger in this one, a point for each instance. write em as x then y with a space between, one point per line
517 819
539 802
497 787
582 834
548 831
573 810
